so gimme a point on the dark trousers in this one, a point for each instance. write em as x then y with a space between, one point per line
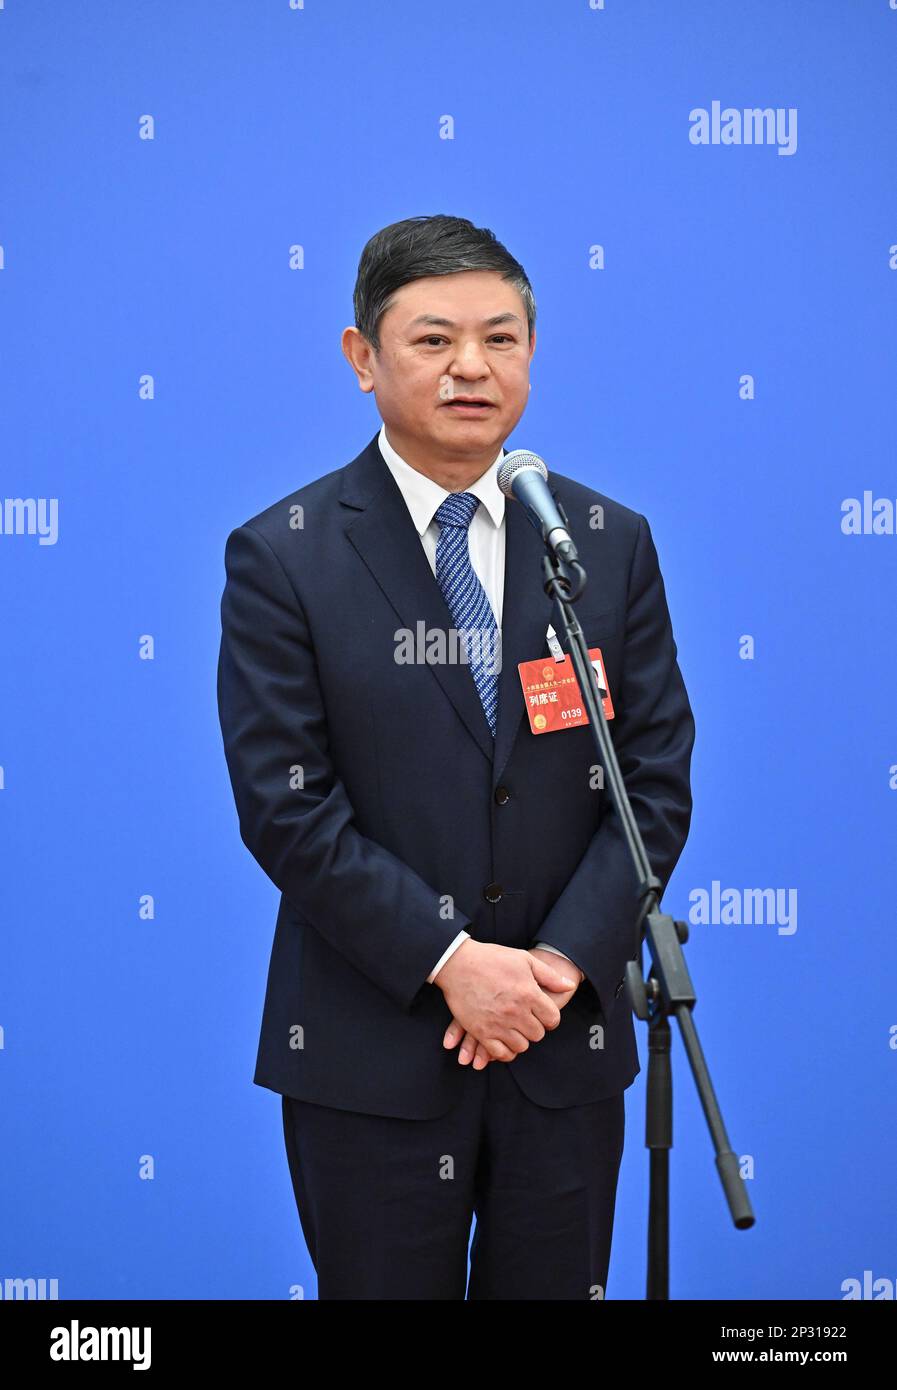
386 1204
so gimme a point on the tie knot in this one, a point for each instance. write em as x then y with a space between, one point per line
457 510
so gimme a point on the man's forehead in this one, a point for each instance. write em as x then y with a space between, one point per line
432 301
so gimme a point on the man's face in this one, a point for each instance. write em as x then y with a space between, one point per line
443 337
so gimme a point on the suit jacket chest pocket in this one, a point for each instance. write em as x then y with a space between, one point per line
601 629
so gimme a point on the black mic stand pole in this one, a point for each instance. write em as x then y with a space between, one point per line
667 991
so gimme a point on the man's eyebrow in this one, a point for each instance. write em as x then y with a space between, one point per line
492 322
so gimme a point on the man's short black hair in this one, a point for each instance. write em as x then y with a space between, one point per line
420 246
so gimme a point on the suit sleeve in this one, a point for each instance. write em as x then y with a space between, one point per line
300 828
594 919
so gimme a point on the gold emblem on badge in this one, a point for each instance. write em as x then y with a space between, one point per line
540 721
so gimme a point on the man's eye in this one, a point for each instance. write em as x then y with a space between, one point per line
437 339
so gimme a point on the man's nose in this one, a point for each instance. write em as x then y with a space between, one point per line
470 361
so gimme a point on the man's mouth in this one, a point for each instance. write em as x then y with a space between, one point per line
462 406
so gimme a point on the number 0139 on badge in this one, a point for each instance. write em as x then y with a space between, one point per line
552 695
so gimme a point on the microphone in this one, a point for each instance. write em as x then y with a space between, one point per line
524 478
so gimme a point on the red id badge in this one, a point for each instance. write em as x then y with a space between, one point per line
552 695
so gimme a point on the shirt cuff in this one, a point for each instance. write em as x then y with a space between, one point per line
459 940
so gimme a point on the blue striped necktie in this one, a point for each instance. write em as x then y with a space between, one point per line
466 598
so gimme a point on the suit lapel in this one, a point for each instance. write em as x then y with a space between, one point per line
381 530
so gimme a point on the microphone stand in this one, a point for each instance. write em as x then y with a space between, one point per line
667 991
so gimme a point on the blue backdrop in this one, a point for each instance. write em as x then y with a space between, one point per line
187 189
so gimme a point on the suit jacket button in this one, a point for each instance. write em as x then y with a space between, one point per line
502 795
492 892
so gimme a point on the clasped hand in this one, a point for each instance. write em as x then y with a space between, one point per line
502 999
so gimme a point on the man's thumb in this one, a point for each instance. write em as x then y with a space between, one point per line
556 979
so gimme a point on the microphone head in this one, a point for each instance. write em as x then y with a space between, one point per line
513 463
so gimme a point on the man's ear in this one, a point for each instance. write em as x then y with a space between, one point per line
358 352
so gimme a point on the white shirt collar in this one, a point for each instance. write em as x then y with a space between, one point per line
423 496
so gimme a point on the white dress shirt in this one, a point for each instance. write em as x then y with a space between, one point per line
486 541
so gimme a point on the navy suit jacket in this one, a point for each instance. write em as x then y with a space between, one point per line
374 796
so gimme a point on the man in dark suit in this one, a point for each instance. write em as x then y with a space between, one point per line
443 1015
